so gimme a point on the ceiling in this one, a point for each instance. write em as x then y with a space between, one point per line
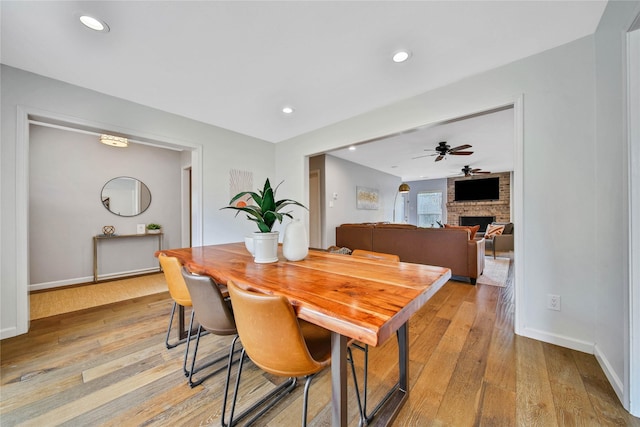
235 64
411 156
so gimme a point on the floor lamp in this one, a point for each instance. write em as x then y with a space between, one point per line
404 188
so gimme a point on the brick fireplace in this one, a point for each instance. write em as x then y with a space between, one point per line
482 221
498 209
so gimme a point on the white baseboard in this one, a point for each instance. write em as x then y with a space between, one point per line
614 380
8 333
561 340
585 347
89 279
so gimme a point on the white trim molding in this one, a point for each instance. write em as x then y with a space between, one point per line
632 366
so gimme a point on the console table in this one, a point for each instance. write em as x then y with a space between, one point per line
117 236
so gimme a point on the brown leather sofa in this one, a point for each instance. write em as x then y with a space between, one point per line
450 248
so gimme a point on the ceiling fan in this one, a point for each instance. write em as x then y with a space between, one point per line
443 149
467 171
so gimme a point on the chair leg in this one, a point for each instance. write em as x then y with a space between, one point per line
361 408
266 402
305 400
228 377
186 351
166 341
190 372
230 361
179 341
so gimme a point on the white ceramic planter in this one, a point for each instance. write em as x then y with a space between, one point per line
265 247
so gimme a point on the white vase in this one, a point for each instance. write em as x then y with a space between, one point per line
295 244
265 247
248 243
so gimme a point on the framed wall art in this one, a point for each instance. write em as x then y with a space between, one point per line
367 198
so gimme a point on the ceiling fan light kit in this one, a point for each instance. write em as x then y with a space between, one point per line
467 171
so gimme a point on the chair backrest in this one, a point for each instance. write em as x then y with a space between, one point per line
375 255
173 274
270 333
212 311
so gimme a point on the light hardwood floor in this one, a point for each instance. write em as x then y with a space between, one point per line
108 366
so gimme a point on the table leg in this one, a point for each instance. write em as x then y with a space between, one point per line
182 327
403 359
389 407
95 260
338 380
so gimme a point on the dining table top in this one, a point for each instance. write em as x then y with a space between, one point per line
359 298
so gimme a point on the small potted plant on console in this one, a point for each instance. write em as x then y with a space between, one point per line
154 228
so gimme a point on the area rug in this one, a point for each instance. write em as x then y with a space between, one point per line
58 301
495 272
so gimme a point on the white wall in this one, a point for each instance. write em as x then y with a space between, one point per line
342 177
558 253
611 231
219 150
66 211
573 222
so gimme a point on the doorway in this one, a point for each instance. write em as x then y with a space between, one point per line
24 116
315 210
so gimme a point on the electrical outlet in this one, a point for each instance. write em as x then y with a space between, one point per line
553 302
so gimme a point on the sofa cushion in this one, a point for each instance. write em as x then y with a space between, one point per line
494 230
472 229
388 225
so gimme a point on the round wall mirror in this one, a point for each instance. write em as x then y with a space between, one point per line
125 196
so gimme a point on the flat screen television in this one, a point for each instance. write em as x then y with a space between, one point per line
477 189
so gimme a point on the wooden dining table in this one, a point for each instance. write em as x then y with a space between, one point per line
367 300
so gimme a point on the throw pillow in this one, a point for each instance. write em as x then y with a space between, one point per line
493 230
338 250
472 229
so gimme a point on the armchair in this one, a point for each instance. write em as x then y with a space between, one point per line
500 242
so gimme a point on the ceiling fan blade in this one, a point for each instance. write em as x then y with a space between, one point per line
440 157
460 147
461 153
482 172
419 157
475 170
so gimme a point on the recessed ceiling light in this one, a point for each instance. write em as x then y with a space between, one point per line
401 56
352 148
94 23
287 110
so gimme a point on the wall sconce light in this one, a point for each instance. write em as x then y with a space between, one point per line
114 141
404 188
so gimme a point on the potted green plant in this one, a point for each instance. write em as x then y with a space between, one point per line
263 209
154 228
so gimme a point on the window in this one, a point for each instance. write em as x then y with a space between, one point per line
429 208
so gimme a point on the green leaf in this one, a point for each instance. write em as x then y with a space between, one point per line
266 210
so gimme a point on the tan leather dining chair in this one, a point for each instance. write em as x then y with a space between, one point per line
375 255
278 343
180 294
213 313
